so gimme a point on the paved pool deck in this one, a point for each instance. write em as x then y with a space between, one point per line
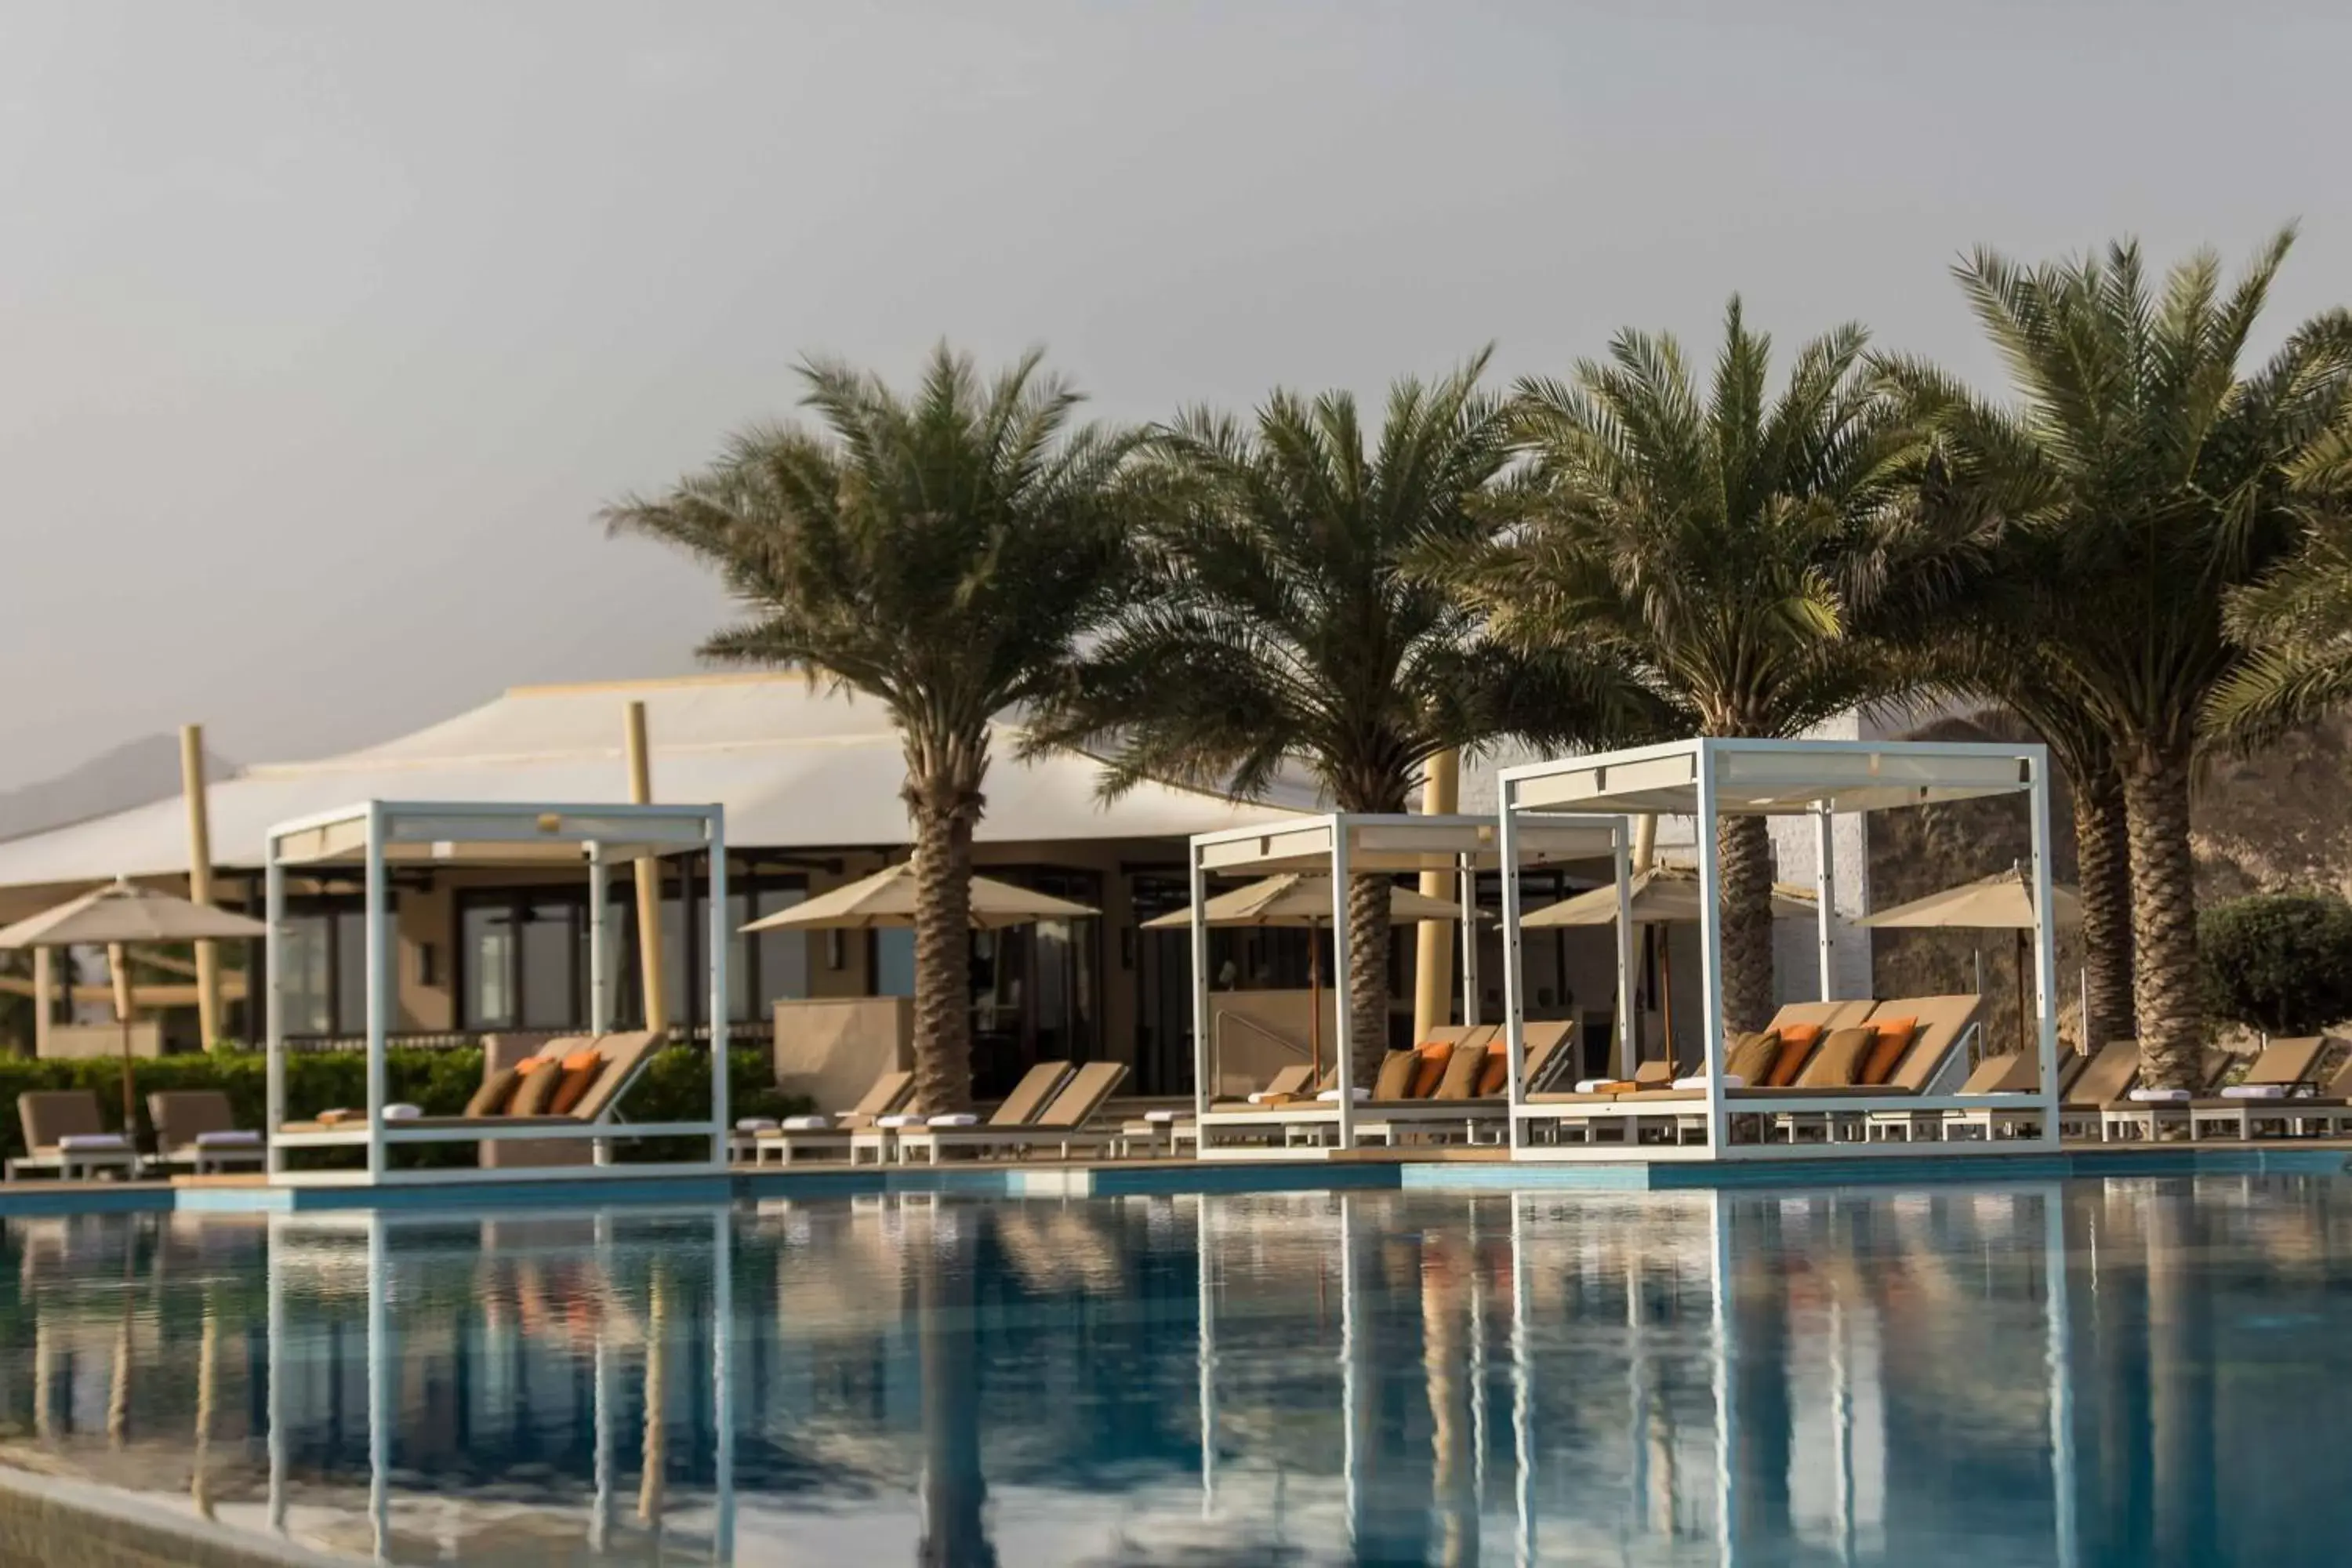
1366 1170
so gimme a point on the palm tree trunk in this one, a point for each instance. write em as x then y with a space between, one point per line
946 805
2102 863
2164 918
1367 975
1744 845
955 1487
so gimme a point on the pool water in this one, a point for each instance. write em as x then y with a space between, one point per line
2089 1375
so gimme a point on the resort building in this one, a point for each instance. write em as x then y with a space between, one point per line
809 780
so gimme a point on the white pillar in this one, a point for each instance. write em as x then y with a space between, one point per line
1825 896
715 835
1197 935
600 1008
1710 953
1515 1030
378 929
1468 883
2045 947
273 1001
1628 1024
1342 969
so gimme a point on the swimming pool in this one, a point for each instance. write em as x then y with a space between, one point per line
2091 1374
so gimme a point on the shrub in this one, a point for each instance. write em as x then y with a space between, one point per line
675 1087
2280 962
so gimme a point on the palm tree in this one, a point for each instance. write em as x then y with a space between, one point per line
1276 623
1722 547
2295 624
943 552
2154 476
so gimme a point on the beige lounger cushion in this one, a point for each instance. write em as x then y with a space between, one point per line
1942 1022
1395 1079
1461 1070
1838 1064
49 1114
2008 1073
181 1115
2106 1079
1752 1056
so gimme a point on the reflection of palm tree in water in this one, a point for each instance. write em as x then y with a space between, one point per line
955 1493
655 1456
1444 1354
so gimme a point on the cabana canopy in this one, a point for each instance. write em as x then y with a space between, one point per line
1710 777
378 834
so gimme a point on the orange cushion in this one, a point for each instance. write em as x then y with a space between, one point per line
575 1082
1797 1042
1893 1039
1496 1075
1430 1071
530 1065
581 1061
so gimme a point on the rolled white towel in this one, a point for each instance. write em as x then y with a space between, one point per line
1591 1085
1262 1096
954 1119
1162 1118
93 1142
2162 1096
1331 1095
755 1124
1730 1081
229 1138
816 1123
901 1119
2255 1091
401 1111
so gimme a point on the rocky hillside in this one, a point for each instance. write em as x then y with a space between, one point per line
2263 824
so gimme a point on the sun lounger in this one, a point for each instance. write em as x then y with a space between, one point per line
2327 1113
2106 1080
1455 1107
2145 1114
1166 1132
65 1134
1028 1098
2265 1094
1066 1124
796 1137
196 1128
622 1059
2010 1075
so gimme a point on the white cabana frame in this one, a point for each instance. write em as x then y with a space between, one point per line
1710 777
378 834
1343 844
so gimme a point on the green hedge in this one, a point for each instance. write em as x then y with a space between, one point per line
2281 962
675 1087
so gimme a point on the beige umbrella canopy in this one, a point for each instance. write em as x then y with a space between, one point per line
888 898
1296 899
2002 902
1662 895
114 917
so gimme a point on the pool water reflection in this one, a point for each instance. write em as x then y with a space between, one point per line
2088 1374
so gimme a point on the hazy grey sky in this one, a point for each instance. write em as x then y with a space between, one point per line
324 330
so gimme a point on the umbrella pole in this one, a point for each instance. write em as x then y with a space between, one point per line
118 962
1665 938
2024 1041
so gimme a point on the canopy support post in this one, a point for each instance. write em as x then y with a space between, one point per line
2045 947
378 932
1825 896
1197 935
1710 953
273 1001
1628 1034
1515 1032
1466 881
1342 971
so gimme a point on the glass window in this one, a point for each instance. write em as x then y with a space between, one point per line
487 940
307 978
783 956
894 961
549 946
351 974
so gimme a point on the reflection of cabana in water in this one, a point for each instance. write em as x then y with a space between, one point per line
354 1249
1670 1469
1708 779
1344 845
382 839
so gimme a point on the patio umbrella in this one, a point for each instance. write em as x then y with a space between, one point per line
1662 895
2002 902
114 917
1295 898
888 898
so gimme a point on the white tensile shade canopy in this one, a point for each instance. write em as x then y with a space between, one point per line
1711 777
888 898
1662 895
1295 898
115 916
2002 902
